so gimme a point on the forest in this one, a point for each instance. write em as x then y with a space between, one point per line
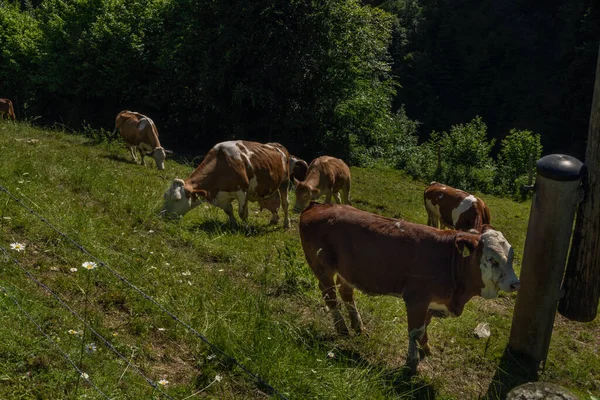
469 92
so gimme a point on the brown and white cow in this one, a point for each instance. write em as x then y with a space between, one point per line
7 109
325 176
139 132
435 271
242 170
454 208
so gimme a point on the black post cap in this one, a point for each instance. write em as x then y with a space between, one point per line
560 167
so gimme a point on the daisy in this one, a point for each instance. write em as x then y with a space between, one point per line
90 348
84 375
89 265
17 246
163 382
73 269
218 378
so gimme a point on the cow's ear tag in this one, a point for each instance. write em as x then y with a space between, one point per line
466 252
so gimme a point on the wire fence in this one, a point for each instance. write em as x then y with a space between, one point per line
261 383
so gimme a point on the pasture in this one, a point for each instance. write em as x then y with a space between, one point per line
248 291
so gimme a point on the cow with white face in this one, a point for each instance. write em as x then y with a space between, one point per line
435 271
235 170
139 132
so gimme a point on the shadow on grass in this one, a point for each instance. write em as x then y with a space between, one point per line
409 386
122 159
513 370
402 381
215 227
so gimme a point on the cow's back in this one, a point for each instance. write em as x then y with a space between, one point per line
328 172
377 255
256 168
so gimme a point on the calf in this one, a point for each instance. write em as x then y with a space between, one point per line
454 208
242 170
325 176
435 271
139 132
7 109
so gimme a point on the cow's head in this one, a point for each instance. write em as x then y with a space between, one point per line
304 194
160 155
179 200
496 264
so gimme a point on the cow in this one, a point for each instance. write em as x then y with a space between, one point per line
325 176
139 132
7 109
242 170
455 209
435 271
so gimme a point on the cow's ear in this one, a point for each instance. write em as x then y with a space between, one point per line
465 245
486 228
168 151
296 181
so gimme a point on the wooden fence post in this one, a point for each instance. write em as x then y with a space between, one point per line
582 279
556 194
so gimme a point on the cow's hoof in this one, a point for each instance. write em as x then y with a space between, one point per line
286 223
426 350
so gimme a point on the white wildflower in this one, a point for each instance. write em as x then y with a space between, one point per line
73 269
331 354
210 356
163 382
89 265
17 246
90 348
84 375
218 378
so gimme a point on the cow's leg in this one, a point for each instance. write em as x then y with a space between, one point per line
328 290
283 194
346 193
347 293
142 155
337 198
423 341
242 198
132 151
228 208
416 311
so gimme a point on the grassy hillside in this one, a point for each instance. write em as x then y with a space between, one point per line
248 291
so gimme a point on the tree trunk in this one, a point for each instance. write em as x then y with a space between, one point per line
582 279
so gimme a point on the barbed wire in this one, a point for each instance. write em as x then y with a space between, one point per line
88 326
64 354
101 263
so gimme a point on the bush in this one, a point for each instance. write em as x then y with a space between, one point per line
520 150
464 156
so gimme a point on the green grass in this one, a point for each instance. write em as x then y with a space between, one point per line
248 291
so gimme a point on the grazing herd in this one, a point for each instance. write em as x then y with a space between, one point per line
435 271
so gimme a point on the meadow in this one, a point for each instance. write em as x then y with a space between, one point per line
248 291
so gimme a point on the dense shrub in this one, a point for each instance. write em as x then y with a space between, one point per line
520 150
19 52
463 156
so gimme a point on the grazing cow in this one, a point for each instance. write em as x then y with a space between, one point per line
242 170
454 208
6 109
435 271
325 176
140 133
